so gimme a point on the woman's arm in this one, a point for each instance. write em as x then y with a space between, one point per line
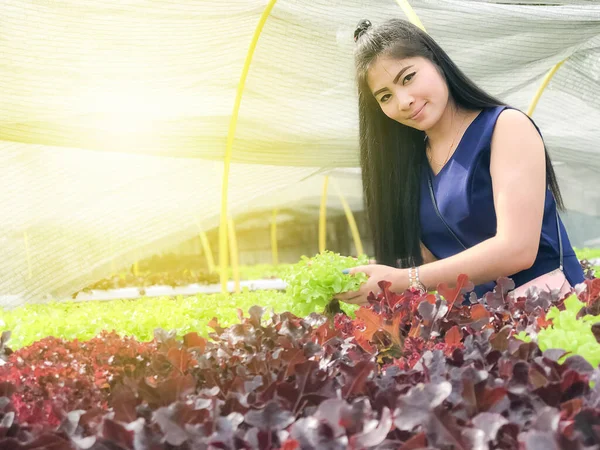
518 170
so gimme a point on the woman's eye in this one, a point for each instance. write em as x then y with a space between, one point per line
384 98
408 77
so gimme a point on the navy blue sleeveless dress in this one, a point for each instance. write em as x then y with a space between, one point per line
463 192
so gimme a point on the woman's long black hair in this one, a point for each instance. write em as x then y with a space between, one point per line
391 154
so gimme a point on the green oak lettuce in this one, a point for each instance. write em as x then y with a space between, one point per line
313 282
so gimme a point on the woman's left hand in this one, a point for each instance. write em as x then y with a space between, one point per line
376 273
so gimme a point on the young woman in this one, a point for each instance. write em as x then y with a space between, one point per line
454 180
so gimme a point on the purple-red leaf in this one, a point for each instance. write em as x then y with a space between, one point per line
453 336
176 388
374 436
194 341
272 417
414 408
356 377
117 433
451 295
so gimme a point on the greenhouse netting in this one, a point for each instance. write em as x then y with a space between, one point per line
114 116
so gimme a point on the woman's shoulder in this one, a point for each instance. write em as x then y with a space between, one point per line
510 113
505 119
507 114
514 121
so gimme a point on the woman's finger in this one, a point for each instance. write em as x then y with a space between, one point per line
354 299
364 269
345 296
349 295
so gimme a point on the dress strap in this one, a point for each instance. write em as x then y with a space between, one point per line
438 211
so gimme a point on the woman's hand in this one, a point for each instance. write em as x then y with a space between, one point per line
376 273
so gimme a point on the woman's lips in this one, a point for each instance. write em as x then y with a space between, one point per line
420 113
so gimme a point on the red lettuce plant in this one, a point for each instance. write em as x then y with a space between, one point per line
409 372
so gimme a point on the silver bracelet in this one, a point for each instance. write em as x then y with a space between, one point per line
416 282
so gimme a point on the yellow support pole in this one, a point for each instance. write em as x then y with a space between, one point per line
136 264
543 86
228 148
351 222
28 254
323 217
207 251
410 14
274 251
233 248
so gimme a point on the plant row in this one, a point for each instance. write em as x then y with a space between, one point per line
407 371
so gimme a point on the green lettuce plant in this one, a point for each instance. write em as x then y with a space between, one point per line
568 332
589 254
312 282
138 318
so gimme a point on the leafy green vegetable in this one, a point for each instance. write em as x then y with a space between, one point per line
314 281
589 254
523 336
138 318
569 333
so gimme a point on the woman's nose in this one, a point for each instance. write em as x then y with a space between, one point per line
404 104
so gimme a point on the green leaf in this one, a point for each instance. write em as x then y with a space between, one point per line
315 281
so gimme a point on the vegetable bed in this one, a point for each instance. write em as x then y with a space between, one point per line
184 272
408 371
174 276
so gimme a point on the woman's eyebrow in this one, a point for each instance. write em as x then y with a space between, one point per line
404 69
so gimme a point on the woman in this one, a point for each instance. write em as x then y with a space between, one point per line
454 180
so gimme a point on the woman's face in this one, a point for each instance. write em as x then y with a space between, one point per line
407 87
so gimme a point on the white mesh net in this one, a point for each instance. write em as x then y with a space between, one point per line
114 116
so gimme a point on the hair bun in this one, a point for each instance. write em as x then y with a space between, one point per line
361 28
